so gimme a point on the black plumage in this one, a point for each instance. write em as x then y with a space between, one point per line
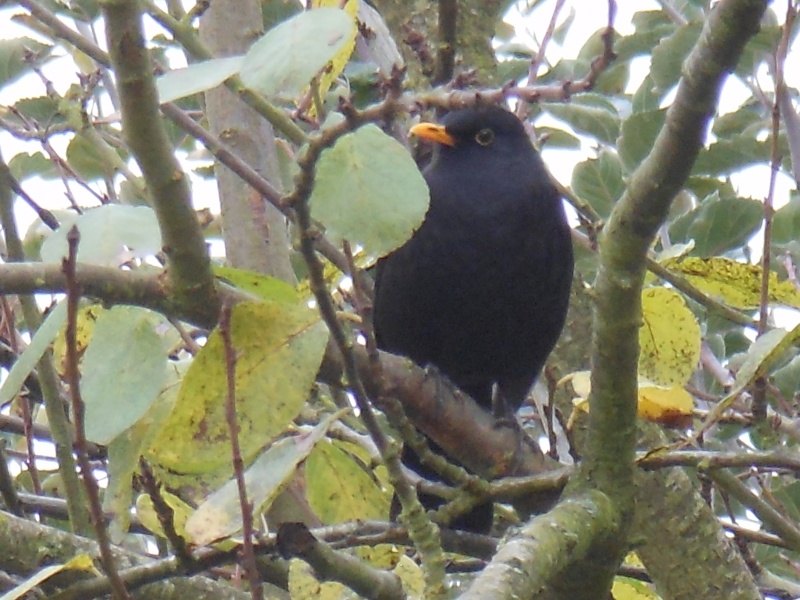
481 289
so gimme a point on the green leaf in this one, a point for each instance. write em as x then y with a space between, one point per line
734 123
279 348
26 165
44 110
196 78
787 378
552 137
15 58
727 155
110 235
369 191
283 62
599 182
639 132
647 98
220 515
762 44
258 284
589 113
762 355
718 224
645 38
668 56
786 222
87 160
124 368
126 449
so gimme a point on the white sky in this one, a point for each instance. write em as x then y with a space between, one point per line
589 16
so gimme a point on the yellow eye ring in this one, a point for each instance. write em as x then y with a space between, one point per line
485 136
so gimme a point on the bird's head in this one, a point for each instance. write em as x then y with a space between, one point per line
475 130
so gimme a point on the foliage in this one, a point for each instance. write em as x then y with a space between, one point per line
719 354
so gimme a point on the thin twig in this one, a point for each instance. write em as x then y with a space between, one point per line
760 387
8 492
78 409
774 520
446 53
165 514
248 554
538 58
431 553
27 419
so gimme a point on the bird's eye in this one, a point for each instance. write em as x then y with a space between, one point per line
485 136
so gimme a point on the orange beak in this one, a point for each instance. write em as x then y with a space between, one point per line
433 133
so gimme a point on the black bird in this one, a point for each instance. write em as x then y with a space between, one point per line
481 290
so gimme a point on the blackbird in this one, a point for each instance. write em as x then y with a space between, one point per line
481 289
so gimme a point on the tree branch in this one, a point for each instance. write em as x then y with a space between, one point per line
189 267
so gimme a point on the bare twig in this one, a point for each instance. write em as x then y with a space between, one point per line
165 514
27 419
760 387
446 53
54 406
8 492
248 554
294 539
429 545
778 523
78 408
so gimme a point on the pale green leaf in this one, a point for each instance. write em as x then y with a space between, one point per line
668 56
639 132
196 78
41 341
220 515
589 113
283 62
124 369
369 191
718 224
110 235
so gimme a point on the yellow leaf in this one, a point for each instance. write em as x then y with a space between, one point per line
669 338
668 405
665 405
737 284
337 65
87 316
149 518
581 382
630 589
82 562
303 585
279 347
411 575
339 489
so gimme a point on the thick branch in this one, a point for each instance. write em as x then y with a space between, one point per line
627 237
36 546
565 536
110 285
189 266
